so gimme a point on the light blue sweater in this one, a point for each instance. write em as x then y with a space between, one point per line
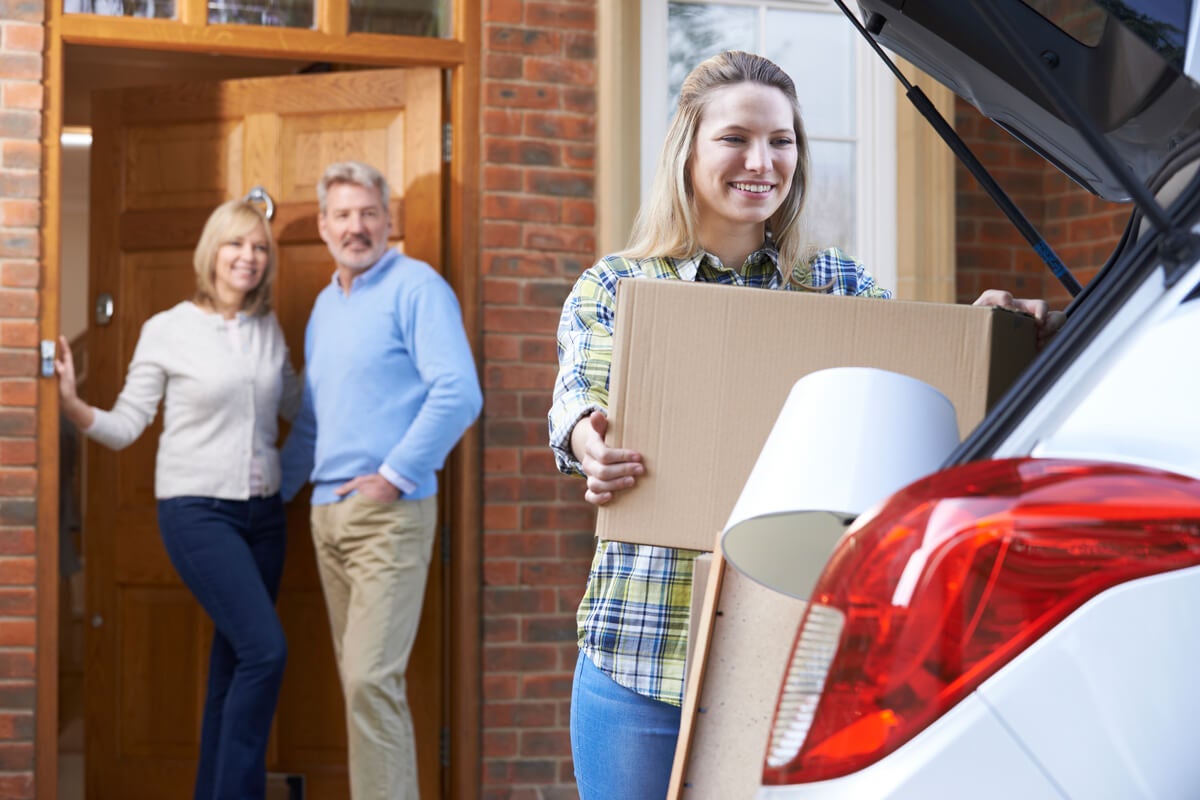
389 379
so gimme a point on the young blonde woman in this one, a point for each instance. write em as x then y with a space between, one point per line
725 207
221 364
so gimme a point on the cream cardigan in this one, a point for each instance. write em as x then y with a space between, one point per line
222 406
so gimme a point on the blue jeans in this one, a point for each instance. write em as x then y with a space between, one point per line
623 743
230 554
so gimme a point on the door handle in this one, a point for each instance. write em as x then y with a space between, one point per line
259 195
104 308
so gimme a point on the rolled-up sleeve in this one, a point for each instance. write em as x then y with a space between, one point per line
585 347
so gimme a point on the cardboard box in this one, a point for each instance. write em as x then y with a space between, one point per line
701 371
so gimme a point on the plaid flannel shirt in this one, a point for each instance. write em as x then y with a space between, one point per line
633 619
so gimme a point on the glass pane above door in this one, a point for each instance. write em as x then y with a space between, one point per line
401 17
273 13
153 9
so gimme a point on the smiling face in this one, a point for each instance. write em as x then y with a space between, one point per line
355 226
240 266
743 160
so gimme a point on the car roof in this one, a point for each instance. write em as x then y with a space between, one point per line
1125 63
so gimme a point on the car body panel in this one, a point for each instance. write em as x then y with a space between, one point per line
1106 701
1136 95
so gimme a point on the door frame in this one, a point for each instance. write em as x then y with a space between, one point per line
460 60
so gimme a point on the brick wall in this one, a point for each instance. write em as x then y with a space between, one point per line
21 96
1080 227
537 235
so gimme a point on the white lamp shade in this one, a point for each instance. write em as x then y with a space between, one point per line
846 439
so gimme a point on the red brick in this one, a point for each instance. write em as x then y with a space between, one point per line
507 11
20 124
18 571
24 37
20 274
524 320
16 664
502 122
19 244
501 348
521 207
17 482
522 544
17 422
557 15
556 70
22 11
501 179
541 351
24 95
21 155
559 237
16 757
545 743
518 264
579 212
21 66
581 101
15 183
495 461
500 517
18 453
560 126
518 376
18 303
18 786
18 393
17 602
499 744
18 333
498 291
18 696
526 41
506 93
504 66
17 633
20 213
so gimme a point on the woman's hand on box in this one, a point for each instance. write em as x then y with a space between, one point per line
608 469
1048 322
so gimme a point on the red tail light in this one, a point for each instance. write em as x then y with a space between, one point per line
950 580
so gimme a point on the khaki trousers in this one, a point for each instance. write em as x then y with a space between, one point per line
374 560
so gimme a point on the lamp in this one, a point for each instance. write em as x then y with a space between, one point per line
846 439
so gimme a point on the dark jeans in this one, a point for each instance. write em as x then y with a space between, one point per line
230 554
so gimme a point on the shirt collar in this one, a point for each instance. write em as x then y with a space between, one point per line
372 274
763 261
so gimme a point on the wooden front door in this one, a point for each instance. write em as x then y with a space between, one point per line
162 159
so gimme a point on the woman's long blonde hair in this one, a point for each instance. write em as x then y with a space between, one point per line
666 224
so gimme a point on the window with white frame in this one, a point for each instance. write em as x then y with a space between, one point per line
846 97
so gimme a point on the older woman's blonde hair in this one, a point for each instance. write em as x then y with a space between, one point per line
231 220
666 225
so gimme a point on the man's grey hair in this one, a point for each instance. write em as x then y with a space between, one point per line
354 172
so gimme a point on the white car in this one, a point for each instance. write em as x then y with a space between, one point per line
1025 623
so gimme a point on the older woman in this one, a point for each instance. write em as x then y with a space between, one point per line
220 362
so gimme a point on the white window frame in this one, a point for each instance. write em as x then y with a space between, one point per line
875 189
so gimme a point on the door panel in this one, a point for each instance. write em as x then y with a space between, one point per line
162 159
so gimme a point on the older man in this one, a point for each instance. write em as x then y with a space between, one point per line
390 388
